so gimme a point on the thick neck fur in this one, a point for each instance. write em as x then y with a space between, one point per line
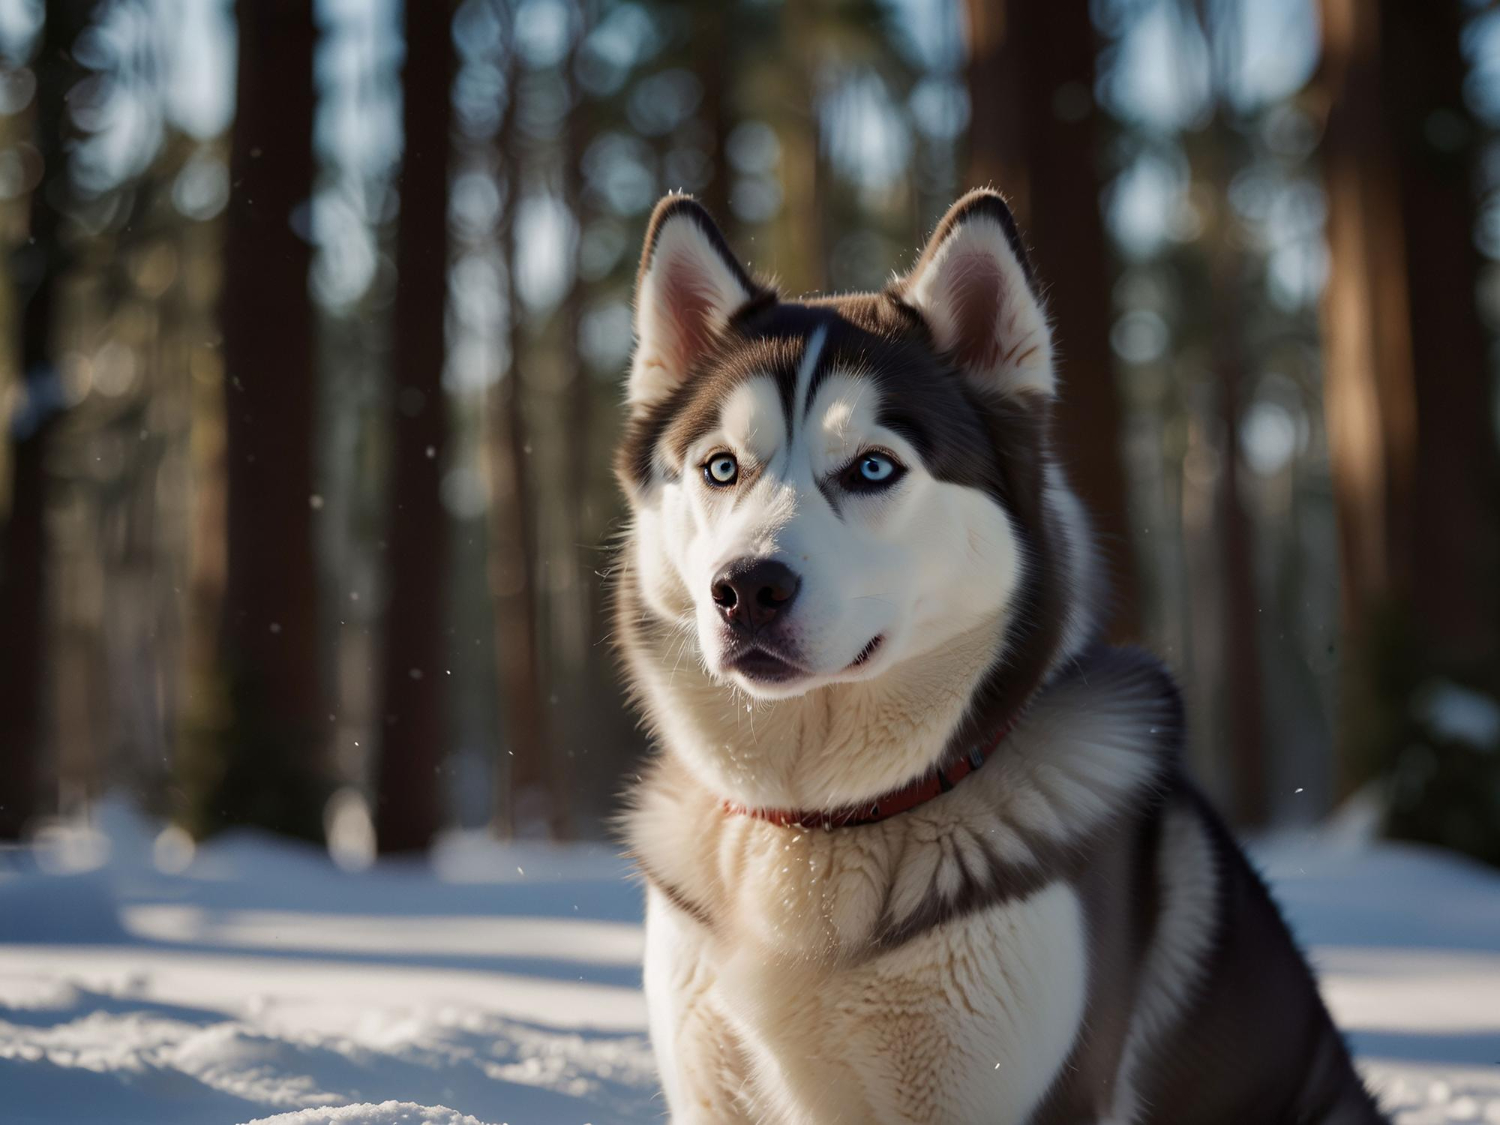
1057 778
1106 728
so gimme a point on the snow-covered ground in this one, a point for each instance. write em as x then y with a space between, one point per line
255 981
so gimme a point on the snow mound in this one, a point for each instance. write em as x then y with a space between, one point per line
386 1113
1435 1095
71 908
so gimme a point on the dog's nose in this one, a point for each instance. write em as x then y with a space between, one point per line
750 592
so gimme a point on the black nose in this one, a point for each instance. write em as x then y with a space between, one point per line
750 592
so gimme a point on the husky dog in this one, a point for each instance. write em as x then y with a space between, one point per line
918 847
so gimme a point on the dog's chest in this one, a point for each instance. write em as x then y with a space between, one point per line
969 1021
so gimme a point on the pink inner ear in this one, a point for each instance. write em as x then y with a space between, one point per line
976 288
689 307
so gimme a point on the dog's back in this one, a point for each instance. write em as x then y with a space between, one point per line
1256 1043
1225 1022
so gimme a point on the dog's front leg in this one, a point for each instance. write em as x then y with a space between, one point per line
703 1072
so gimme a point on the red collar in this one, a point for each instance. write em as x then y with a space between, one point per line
909 796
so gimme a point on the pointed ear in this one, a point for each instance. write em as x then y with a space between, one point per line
974 287
688 288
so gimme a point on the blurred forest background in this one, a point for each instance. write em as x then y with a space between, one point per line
315 315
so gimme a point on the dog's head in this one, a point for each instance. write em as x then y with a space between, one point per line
824 489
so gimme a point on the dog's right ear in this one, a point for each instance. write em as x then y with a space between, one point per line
688 288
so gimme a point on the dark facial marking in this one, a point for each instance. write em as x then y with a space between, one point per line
898 420
830 491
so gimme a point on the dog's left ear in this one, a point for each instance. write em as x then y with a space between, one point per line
974 287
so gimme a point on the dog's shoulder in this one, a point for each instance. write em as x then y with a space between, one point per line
1107 732
1086 764
1127 682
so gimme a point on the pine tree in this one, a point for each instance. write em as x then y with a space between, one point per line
255 753
38 266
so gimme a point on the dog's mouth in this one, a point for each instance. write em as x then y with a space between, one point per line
763 665
868 651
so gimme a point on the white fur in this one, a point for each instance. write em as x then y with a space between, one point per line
810 357
701 1065
784 1008
750 418
754 1036
882 1041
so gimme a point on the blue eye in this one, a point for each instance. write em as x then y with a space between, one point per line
872 471
721 470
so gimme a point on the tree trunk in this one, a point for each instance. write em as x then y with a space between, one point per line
523 786
1455 540
413 679
1035 136
265 765
1407 383
1243 689
37 267
711 43
1369 397
574 609
800 260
